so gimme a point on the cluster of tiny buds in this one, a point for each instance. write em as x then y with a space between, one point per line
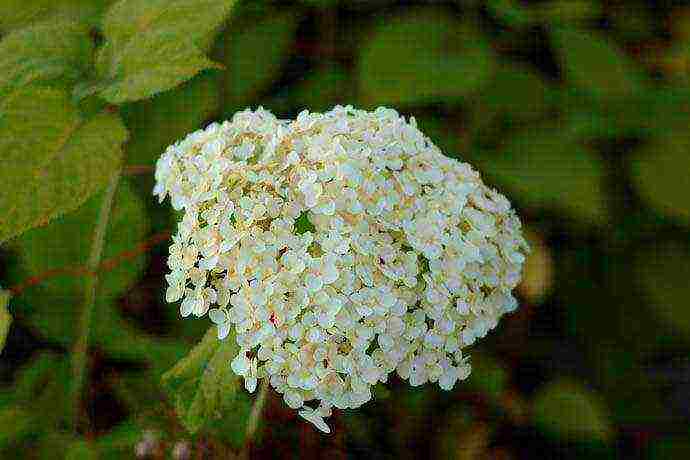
335 249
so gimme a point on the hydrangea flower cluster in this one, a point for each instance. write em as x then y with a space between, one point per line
339 247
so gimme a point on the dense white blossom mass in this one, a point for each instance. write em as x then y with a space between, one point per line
338 247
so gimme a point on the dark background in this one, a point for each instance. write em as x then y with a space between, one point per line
578 110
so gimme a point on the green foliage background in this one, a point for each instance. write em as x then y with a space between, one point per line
577 109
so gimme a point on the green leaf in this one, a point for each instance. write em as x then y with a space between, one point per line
593 63
570 411
489 375
15 14
168 117
542 167
154 45
515 91
15 423
659 173
158 63
254 56
669 447
303 224
512 12
422 57
37 402
42 53
317 92
204 387
63 248
663 272
648 113
5 317
52 159
80 450
120 442
569 11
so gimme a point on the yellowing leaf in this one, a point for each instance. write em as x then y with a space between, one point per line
569 410
43 52
593 63
203 385
425 56
52 159
154 45
659 171
5 317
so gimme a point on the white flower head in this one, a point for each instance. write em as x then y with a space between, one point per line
336 249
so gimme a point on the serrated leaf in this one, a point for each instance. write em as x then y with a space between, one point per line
167 117
42 53
568 410
15 14
659 172
204 387
52 159
154 45
153 64
5 317
663 270
594 63
541 167
425 56
248 75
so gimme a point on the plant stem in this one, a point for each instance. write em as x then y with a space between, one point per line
254 417
79 350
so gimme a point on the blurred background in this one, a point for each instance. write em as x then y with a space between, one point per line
577 109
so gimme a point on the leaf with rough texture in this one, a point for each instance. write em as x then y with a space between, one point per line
52 159
569 410
154 45
541 167
44 52
5 317
423 57
203 385
597 65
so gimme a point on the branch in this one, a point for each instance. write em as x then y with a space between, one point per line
80 346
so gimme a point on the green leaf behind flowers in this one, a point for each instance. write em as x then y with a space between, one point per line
204 388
